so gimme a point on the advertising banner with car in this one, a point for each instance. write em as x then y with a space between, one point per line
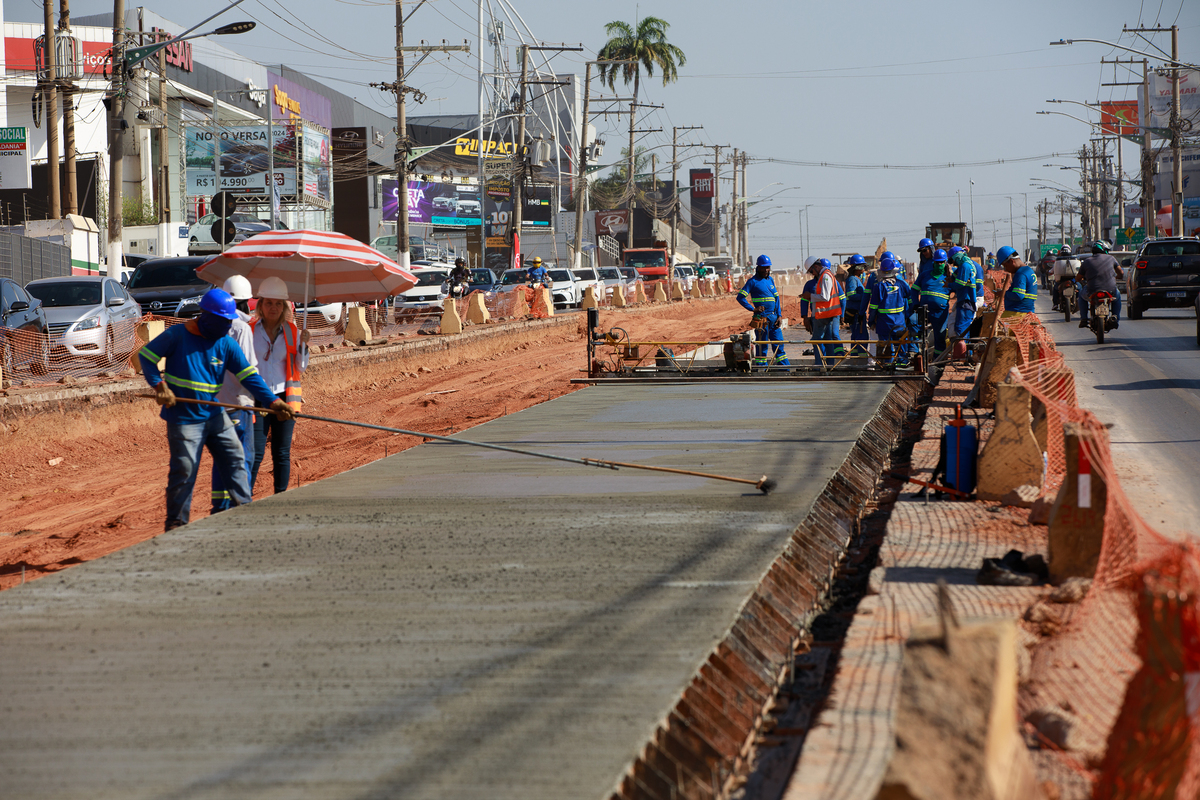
316 165
244 159
446 205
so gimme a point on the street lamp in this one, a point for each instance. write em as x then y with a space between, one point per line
123 62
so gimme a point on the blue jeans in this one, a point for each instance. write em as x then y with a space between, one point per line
243 421
824 329
268 426
229 457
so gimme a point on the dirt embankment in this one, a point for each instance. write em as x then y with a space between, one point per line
74 487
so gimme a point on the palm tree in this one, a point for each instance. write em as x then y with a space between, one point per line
643 45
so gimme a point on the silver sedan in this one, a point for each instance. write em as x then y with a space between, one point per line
90 316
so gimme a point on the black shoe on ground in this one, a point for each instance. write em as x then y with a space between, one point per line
1083 323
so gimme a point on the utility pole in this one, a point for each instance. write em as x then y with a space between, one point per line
581 192
68 113
743 237
675 129
717 194
164 173
50 90
518 175
631 183
116 141
1176 136
735 248
403 145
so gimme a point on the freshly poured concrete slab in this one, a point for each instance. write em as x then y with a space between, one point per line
450 622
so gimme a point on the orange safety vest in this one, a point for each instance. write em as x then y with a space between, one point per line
292 394
824 309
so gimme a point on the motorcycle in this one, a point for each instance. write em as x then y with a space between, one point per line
1070 300
1102 318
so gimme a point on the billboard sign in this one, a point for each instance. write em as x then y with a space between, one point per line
610 223
316 164
1120 118
446 205
1160 100
244 160
702 183
14 159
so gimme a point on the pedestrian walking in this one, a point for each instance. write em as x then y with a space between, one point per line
198 353
282 351
760 295
233 392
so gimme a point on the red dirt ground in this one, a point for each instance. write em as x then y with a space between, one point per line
106 493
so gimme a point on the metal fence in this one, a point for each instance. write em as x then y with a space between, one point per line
23 259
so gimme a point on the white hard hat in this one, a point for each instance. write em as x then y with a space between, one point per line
808 262
238 287
273 288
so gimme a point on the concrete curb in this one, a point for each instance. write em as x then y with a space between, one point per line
705 739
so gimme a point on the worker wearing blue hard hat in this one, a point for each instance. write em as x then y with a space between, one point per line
925 250
963 285
888 312
760 295
1022 291
857 300
198 353
930 291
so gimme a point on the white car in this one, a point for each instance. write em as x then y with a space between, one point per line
200 238
90 316
565 288
469 208
427 296
322 314
587 276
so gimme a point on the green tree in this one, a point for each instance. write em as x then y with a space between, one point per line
644 46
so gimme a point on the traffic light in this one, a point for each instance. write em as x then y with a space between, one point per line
223 230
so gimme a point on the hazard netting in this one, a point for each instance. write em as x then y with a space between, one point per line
30 358
1125 662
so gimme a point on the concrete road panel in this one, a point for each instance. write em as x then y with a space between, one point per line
449 622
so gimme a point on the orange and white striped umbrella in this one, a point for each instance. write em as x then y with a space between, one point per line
315 265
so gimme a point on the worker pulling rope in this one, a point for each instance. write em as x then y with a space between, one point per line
763 484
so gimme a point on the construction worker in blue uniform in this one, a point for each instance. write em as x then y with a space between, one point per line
992 261
760 296
198 354
825 306
925 249
964 287
1022 292
887 312
914 327
857 300
931 292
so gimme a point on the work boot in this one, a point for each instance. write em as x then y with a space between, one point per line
1083 323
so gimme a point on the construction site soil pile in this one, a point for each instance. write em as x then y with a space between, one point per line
76 486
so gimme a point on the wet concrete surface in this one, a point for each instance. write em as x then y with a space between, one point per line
449 622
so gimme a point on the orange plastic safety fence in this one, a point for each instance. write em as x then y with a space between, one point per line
1126 661
31 358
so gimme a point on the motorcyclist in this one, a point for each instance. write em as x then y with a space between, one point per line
1065 270
760 295
1100 273
537 273
460 278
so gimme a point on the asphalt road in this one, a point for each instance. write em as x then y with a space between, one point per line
1145 380
445 623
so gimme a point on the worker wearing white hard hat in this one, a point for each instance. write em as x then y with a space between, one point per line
232 390
282 351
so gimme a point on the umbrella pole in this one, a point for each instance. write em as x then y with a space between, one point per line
307 274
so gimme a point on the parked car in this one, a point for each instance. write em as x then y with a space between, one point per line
587 276
1165 274
21 313
427 296
90 316
200 238
169 287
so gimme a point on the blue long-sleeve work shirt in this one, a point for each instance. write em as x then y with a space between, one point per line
1023 292
760 292
930 290
196 367
966 279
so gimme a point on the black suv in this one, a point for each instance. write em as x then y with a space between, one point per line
24 333
169 287
1164 274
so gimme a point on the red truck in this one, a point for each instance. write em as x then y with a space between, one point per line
650 262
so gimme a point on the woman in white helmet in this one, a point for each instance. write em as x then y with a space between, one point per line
282 352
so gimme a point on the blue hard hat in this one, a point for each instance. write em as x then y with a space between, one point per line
889 265
955 251
1005 253
856 259
824 262
989 253
763 261
940 255
220 303
921 245
888 254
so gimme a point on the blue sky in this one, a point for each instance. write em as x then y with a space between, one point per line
858 83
